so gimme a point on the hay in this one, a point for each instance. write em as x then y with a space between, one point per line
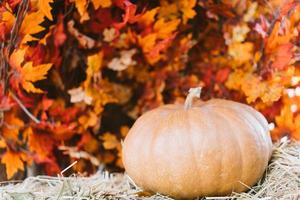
281 181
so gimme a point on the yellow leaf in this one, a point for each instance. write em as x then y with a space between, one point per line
272 93
13 162
252 87
32 74
89 120
165 29
110 141
45 7
241 52
29 87
186 8
102 3
94 63
81 6
35 73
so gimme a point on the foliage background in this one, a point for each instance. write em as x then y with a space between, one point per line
75 74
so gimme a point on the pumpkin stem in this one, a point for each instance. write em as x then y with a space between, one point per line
193 92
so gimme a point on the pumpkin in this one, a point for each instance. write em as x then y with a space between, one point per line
207 148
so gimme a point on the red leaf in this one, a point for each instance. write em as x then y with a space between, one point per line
13 3
161 46
222 75
130 13
283 56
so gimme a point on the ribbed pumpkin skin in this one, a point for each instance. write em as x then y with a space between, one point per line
206 150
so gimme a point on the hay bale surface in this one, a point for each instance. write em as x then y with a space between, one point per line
281 181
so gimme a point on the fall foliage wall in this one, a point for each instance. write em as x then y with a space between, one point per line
75 74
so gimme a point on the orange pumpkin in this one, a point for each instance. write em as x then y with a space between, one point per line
203 149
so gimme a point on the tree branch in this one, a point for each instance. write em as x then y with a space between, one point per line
27 112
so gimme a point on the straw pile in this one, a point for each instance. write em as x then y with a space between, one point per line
281 181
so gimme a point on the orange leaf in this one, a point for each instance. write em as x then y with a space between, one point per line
17 58
40 143
186 8
81 6
110 141
31 23
165 29
241 52
32 74
102 3
13 162
148 17
46 8
8 18
147 42
12 126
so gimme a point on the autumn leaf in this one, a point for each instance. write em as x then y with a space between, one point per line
81 6
241 52
17 57
147 42
2 143
148 17
12 126
44 6
110 141
31 74
31 23
13 162
130 15
254 88
122 63
186 8
93 70
40 143
8 19
94 63
78 95
88 120
84 41
101 3
165 29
